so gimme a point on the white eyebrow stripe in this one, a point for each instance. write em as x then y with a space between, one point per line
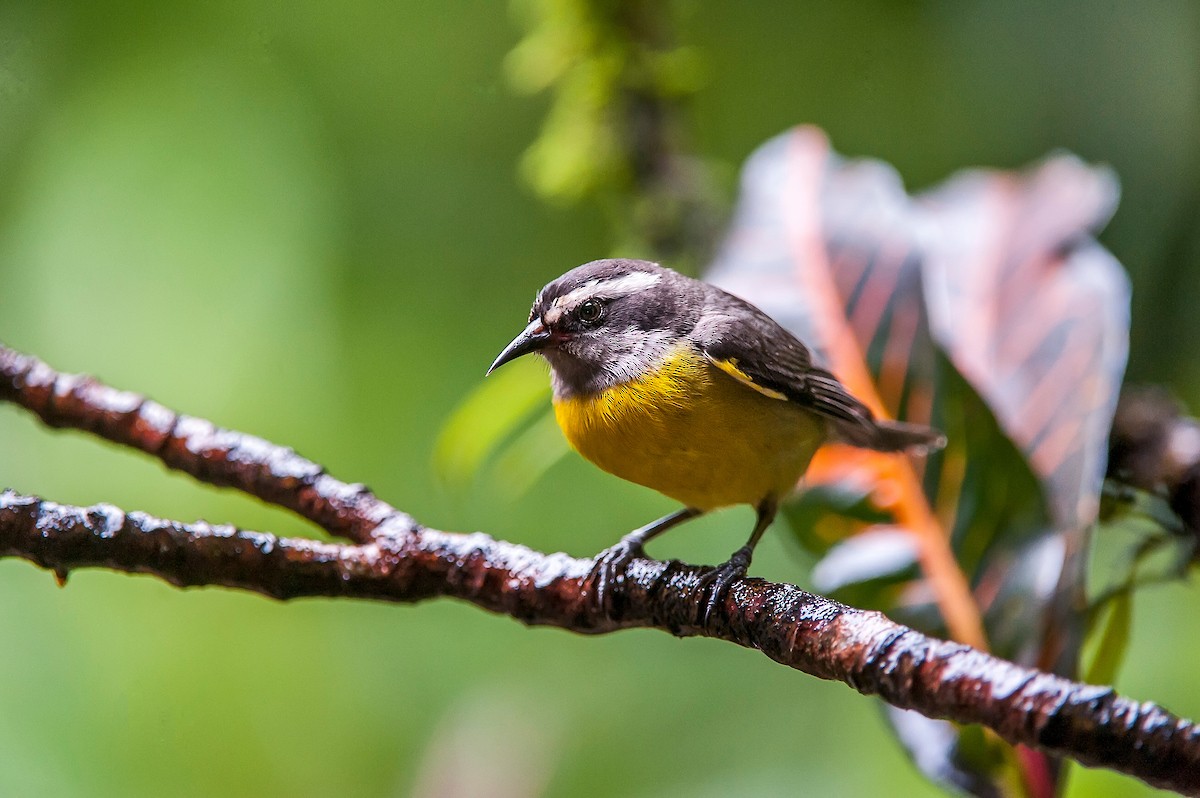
611 287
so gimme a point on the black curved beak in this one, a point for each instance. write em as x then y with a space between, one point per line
531 339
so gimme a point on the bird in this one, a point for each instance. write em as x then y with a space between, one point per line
673 383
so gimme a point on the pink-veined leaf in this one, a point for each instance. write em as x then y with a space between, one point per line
999 268
1034 313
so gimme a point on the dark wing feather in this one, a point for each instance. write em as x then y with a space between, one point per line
751 347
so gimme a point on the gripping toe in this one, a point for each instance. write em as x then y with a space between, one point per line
608 571
718 581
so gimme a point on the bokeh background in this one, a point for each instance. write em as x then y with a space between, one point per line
305 220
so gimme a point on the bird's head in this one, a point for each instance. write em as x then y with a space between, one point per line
605 322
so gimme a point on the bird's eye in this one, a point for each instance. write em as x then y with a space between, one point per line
590 311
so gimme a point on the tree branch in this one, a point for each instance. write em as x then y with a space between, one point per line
275 474
395 559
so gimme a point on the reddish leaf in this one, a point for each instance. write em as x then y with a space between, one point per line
1028 308
986 308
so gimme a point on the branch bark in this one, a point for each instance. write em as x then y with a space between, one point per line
392 558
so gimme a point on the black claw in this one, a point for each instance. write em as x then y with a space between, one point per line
610 564
609 568
718 581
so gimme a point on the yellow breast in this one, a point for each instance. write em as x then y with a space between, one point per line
694 433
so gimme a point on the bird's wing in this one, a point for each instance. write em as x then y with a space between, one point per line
751 347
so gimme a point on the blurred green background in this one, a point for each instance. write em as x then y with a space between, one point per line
304 220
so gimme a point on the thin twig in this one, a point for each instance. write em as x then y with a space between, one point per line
275 474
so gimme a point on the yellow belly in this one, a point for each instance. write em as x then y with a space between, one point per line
695 434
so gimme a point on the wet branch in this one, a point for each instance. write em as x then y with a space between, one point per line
392 558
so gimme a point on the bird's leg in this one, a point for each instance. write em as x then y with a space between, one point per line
610 563
720 578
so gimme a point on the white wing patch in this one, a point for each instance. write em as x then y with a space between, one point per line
730 367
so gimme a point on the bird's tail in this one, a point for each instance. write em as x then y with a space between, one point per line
895 436
892 436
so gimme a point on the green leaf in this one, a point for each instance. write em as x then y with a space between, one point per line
486 418
528 456
1139 541
1109 639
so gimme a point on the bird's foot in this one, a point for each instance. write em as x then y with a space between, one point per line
719 579
609 568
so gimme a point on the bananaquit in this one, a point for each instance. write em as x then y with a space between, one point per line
674 384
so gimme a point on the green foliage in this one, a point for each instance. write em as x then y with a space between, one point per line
1109 638
1139 542
487 417
598 58
614 132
